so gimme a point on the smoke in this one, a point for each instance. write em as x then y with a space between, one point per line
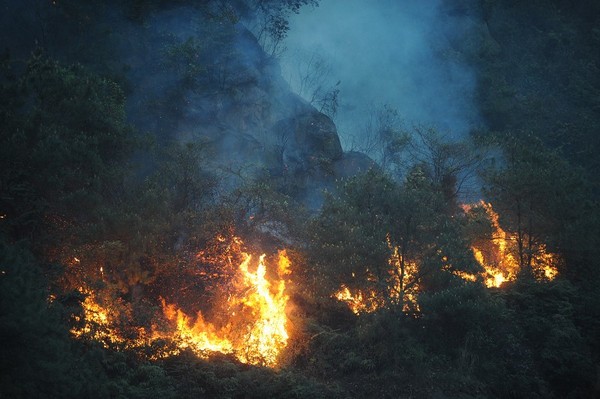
401 54
192 77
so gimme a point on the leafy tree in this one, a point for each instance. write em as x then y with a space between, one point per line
475 330
451 164
545 314
539 196
270 18
348 241
65 143
538 73
222 378
390 239
385 140
37 356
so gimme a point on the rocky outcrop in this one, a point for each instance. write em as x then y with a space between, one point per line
249 116
307 142
193 76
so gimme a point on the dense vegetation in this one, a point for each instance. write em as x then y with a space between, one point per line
83 171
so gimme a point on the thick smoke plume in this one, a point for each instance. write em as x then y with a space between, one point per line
399 54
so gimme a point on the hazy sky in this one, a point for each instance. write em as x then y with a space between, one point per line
386 52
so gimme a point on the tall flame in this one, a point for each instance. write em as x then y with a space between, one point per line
497 257
251 321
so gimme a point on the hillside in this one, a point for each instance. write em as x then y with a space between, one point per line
177 222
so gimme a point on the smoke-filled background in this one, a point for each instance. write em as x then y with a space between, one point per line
394 53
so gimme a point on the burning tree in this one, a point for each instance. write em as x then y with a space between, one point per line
379 244
245 317
497 250
537 196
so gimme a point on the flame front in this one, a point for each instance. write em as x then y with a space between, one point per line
250 322
497 256
200 337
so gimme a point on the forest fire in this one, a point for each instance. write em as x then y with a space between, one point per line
97 322
401 287
359 301
499 254
248 320
255 329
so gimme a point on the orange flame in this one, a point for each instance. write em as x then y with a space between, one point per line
401 288
201 337
497 255
359 301
251 320
97 322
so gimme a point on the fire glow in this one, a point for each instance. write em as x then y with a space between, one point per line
250 317
402 287
498 254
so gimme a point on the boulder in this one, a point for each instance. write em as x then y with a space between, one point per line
308 142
